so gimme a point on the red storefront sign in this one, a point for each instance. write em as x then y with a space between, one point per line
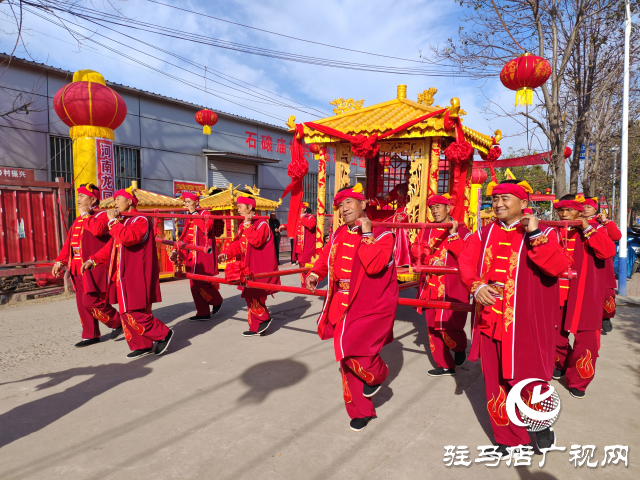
180 186
105 170
10 175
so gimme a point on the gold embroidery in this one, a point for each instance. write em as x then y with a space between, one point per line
368 240
541 240
510 290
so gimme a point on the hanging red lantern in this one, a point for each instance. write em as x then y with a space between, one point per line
567 152
547 191
478 176
207 119
523 74
314 148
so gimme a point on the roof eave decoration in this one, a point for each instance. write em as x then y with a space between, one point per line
386 116
147 199
226 200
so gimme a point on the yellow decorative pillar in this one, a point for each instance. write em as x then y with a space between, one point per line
322 190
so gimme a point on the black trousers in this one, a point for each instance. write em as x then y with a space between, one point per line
276 243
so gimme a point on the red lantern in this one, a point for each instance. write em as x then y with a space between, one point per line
314 148
523 74
478 176
567 152
547 191
89 103
207 119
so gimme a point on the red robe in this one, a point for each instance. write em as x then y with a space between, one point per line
525 319
133 262
254 245
304 245
610 276
361 323
87 235
199 231
436 244
589 250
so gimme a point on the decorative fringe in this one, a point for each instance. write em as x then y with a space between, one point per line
524 96
206 129
90 131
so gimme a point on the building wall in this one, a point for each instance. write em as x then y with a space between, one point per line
171 143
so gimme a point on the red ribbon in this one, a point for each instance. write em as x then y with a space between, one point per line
237 272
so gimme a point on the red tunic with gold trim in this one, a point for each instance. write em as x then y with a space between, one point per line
199 231
589 250
362 296
610 275
435 244
304 247
525 270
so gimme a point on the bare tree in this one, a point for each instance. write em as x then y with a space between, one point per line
494 32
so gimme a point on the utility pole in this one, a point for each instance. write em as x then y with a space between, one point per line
624 159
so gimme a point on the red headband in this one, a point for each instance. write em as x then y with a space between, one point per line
127 193
511 189
593 201
246 201
441 199
90 190
568 204
354 192
191 196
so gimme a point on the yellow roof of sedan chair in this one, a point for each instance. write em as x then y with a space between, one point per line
146 200
352 118
226 200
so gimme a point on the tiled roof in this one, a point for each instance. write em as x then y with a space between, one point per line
147 200
386 116
226 200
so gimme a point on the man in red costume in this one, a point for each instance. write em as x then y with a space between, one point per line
439 247
88 234
399 195
361 302
254 245
199 231
588 247
596 219
304 246
134 274
511 268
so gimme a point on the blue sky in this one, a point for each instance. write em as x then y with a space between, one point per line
400 29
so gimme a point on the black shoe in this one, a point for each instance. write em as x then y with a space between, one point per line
162 345
558 374
87 342
503 451
249 333
545 438
460 358
370 390
115 333
577 393
606 325
442 372
215 309
200 318
263 327
140 353
359 424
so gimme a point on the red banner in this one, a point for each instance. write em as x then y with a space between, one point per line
105 170
179 187
538 159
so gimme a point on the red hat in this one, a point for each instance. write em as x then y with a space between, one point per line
353 192
191 196
90 190
441 199
528 211
246 201
520 190
127 193
577 204
593 201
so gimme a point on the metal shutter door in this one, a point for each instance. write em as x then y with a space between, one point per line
223 172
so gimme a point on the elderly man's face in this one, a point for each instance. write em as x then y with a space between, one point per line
351 209
508 207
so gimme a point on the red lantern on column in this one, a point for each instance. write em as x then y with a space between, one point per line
523 74
207 119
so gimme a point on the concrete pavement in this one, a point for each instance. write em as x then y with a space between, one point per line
222 406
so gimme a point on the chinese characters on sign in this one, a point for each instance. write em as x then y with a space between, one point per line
179 187
105 169
266 143
21 175
580 455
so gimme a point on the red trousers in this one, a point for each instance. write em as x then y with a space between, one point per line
497 388
141 328
356 371
580 360
92 309
441 341
609 303
204 294
257 311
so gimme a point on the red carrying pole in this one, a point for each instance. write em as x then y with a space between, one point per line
184 246
407 285
561 223
434 270
281 273
411 225
182 215
202 278
456 307
285 288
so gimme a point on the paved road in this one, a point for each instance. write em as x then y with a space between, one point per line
221 406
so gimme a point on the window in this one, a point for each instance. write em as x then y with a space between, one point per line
310 190
127 165
61 151
443 176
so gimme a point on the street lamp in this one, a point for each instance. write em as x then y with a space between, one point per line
615 167
624 159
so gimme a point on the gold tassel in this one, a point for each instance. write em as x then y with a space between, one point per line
524 96
206 129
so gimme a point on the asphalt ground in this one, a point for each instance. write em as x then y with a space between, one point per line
219 405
